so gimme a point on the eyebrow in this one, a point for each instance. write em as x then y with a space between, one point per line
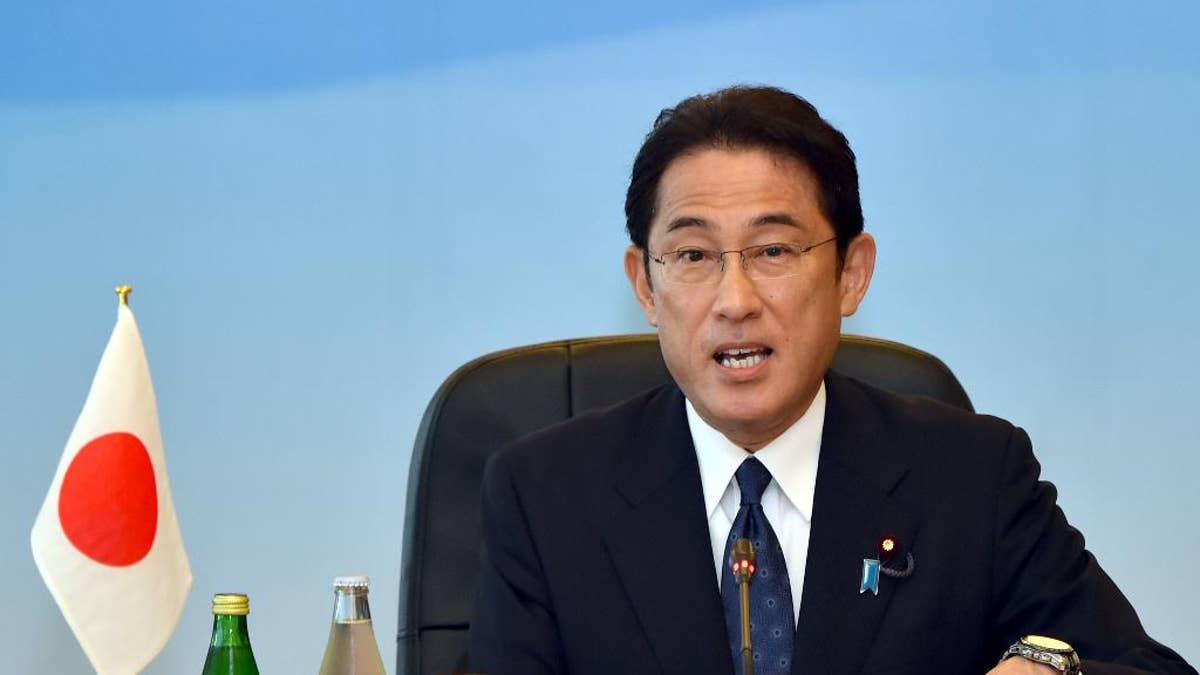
776 219
686 221
780 218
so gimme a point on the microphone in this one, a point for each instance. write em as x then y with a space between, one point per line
742 558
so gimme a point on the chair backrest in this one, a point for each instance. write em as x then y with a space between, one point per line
505 395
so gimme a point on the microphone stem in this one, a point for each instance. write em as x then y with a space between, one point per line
747 652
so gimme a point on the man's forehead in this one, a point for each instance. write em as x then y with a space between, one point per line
735 188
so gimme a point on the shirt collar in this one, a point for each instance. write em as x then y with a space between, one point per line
791 458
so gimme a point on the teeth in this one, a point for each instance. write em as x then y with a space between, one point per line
753 359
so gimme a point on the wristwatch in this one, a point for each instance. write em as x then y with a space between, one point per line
1054 653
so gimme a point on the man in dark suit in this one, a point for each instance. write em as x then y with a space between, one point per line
888 535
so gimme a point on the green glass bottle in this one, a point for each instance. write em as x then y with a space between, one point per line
229 652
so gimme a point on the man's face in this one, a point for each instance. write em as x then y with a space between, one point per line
727 199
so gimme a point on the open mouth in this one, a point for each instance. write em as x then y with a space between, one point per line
742 357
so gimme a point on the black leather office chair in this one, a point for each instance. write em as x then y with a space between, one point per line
505 395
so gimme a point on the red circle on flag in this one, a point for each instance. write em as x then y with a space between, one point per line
108 503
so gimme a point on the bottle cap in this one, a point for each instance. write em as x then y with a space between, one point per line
352 582
236 604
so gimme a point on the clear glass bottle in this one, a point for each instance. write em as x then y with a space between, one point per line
351 649
229 651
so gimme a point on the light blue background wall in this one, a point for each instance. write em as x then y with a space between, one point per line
326 207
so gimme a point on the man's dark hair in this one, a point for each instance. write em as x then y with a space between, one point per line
762 118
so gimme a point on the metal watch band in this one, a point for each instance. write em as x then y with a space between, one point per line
1068 664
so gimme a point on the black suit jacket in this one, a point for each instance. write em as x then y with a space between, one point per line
597 556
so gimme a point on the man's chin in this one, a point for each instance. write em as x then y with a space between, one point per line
745 425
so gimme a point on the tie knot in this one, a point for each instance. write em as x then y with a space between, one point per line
752 478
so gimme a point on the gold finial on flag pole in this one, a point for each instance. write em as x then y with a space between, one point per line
123 292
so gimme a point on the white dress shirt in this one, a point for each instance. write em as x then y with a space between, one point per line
788 500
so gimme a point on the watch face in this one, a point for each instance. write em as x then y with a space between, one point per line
1047 643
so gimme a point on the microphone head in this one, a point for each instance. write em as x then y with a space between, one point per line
742 557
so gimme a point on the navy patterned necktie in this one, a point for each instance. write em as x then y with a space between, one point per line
772 626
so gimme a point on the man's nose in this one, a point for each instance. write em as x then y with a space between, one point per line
737 296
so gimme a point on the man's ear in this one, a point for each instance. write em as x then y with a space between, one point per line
857 269
635 269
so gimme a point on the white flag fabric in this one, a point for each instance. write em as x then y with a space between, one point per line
106 540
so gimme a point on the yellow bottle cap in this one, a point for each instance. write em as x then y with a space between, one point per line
235 604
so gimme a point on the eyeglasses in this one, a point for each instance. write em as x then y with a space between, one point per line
692 265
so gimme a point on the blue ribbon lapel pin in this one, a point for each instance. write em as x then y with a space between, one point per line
873 568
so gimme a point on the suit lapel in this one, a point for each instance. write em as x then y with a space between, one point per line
852 510
661 547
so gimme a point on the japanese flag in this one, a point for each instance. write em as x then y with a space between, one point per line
106 540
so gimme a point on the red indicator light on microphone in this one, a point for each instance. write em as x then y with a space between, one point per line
742 557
